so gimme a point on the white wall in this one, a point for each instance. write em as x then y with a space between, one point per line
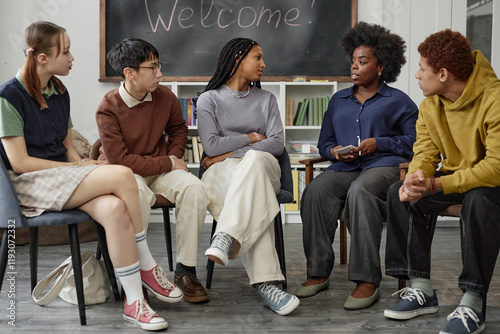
412 19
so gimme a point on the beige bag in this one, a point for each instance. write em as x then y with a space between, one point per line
96 284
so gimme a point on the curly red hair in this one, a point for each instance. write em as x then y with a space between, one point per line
448 49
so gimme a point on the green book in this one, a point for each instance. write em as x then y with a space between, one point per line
310 112
297 112
302 112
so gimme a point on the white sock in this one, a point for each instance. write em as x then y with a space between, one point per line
473 300
130 278
146 261
424 284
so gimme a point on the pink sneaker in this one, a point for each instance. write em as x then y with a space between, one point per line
141 314
159 285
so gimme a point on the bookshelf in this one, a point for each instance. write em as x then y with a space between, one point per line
298 91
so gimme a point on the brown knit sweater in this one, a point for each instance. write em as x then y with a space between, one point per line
135 137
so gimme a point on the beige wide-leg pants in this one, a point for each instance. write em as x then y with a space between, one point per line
242 198
189 195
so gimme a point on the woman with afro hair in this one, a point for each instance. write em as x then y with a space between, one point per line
379 122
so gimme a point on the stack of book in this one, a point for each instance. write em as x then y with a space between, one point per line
194 150
308 112
188 110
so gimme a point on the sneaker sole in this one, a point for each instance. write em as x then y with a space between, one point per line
398 315
148 327
292 305
162 297
217 257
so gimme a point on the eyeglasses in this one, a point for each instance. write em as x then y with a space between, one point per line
155 68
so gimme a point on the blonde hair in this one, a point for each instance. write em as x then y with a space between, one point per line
41 37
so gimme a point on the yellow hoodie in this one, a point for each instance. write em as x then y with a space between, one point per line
466 133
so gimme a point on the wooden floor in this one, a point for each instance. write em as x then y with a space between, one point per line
234 306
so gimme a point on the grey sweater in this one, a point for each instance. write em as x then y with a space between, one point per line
224 122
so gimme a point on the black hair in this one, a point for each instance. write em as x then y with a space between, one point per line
230 58
387 47
131 52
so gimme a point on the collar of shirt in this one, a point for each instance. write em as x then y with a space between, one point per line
50 85
129 100
383 90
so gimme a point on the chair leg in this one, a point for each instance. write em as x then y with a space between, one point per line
102 247
210 263
74 244
280 245
33 256
168 237
343 242
3 256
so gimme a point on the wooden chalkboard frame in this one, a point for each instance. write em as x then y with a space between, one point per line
102 55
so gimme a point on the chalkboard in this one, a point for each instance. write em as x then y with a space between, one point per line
298 37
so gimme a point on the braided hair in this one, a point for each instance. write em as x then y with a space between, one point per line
230 58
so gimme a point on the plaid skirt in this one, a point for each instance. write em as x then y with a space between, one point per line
48 189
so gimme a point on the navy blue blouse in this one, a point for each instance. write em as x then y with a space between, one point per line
389 116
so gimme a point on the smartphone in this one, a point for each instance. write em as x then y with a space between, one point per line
344 150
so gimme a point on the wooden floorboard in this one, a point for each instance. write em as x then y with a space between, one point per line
234 306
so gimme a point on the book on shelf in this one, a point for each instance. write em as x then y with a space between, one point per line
289 116
188 110
189 151
310 111
294 206
301 111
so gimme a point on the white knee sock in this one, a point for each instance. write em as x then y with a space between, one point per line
130 278
146 261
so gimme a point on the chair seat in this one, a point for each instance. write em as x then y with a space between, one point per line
452 211
162 202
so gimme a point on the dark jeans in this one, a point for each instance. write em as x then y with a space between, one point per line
409 235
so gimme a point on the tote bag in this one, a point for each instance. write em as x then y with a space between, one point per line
96 284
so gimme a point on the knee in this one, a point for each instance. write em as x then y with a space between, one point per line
484 198
257 158
116 212
393 191
124 176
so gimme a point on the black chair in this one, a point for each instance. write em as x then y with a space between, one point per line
12 218
161 203
284 196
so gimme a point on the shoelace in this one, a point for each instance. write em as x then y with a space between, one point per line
463 313
410 294
272 292
162 280
143 309
223 242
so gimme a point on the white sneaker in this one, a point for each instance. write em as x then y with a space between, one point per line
219 248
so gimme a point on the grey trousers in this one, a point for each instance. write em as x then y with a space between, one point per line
363 193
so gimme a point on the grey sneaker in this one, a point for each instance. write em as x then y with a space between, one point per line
413 303
276 299
464 320
219 248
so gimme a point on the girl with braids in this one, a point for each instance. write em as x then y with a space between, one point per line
241 131
379 121
47 173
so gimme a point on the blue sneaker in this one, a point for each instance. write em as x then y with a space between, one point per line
276 299
464 320
219 248
413 303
